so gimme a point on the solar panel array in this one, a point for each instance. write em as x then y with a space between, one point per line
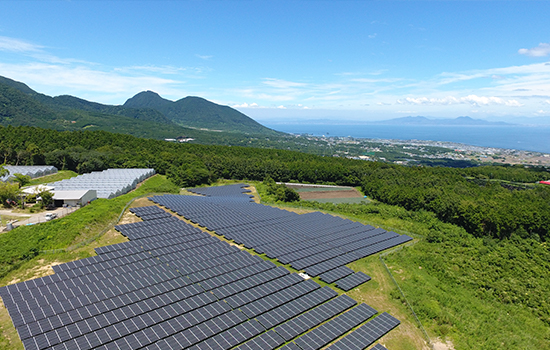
319 244
174 286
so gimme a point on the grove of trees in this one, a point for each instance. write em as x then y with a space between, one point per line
483 208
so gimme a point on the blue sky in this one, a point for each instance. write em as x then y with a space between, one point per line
291 60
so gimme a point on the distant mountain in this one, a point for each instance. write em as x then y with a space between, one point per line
196 112
460 121
145 115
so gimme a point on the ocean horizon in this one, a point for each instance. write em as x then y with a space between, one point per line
519 137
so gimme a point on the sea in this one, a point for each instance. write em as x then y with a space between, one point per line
519 137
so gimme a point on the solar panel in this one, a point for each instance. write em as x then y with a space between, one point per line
335 274
231 337
263 290
314 317
268 340
249 282
335 328
269 302
352 281
367 334
289 310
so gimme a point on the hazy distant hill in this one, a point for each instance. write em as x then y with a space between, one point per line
145 115
197 112
460 121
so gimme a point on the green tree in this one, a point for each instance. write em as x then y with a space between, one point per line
280 191
3 171
9 192
189 175
47 198
21 179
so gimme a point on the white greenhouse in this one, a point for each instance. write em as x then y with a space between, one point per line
108 183
31 170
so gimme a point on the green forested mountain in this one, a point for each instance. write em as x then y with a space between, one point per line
145 115
197 112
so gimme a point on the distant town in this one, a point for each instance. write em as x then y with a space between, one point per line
417 151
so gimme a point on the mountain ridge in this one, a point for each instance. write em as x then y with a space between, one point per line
21 105
195 112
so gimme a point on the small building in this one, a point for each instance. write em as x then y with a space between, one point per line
74 198
545 182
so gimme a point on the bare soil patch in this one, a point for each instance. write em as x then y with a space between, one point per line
351 193
42 269
439 344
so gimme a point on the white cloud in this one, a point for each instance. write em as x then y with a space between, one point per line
540 51
160 69
281 84
81 77
386 80
451 100
281 107
449 78
372 36
547 102
246 105
88 82
205 57
16 45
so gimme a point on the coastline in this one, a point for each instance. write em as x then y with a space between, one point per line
513 137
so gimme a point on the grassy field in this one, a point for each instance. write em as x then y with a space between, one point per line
60 175
459 313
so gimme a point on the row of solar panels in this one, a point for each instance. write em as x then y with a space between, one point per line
136 295
318 243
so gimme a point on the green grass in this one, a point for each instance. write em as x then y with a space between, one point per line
459 312
60 175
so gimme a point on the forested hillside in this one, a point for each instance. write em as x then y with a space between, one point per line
489 209
142 115
197 112
486 209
